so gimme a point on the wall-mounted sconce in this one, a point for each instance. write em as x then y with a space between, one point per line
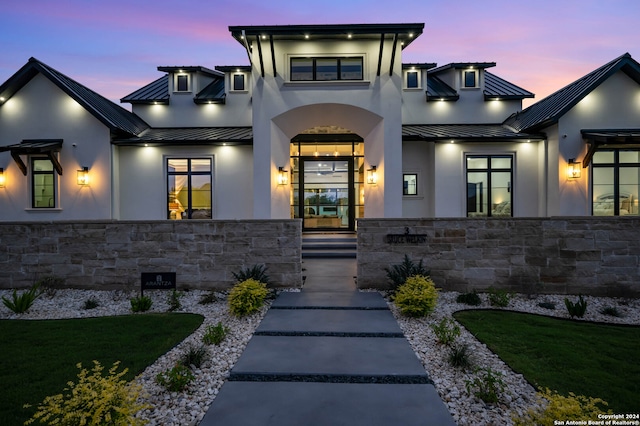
372 175
83 176
574 169
2 178
283 176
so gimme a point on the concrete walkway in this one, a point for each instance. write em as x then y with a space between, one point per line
328 355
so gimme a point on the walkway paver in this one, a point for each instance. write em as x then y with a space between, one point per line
328 358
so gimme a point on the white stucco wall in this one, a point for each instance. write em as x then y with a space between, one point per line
418 158
450 180
143 181
40 110
615 104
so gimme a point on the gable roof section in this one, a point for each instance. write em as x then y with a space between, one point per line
496 88
549 110
156 92
116 118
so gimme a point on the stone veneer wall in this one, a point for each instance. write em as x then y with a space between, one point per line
566 255
112 254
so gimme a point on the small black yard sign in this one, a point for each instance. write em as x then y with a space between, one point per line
157 281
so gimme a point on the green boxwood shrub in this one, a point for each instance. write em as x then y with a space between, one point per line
417 297
247 297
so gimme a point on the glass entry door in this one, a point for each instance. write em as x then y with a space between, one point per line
326 192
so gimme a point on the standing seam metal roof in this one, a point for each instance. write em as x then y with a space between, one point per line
549 110
111 115
191 135
496 87
466 132
154 92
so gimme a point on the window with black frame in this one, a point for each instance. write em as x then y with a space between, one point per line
489 189
615 182
43 188
189 186
326 69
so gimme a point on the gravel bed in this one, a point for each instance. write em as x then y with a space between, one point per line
188 408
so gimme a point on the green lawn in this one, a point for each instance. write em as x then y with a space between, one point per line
589 359
38 358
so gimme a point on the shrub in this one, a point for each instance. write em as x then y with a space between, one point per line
611 311
208 298
94 400
487 385
141 303
460 357
20 303
547 305
576 309
50 284
256 272
554 406
469 299
499 297
176 379
417 297
398 274
91 303
194 356
446 331
215 334
247 297
174 300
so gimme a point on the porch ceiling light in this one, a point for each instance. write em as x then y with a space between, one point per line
83 176
574 169
283 176
2 177
372 175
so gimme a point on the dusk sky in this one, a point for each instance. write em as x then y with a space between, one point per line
114 47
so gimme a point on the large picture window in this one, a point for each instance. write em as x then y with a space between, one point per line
326 69
616 182
43 188
489 186
189 188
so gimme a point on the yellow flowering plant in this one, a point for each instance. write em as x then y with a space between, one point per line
93 400
554 406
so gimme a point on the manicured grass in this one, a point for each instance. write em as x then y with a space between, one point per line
589 359
38 358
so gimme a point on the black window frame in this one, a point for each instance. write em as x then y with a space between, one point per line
465 80
35 173
187 82
489 170
338 59
616 165
189 173
414 74
405 188
238 80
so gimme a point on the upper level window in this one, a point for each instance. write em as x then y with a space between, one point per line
326 69
412 80
189 188
182 83
43 190
238 82
470 78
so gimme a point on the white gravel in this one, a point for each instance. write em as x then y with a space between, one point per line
188 408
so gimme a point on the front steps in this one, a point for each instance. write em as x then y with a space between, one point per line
329 245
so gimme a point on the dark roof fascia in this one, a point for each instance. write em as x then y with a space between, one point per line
486 133
463 65
611 136
233 68
409 31
558 107
422 65
116 118
181 136
200 69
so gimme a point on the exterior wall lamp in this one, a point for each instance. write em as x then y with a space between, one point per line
574 169
83 176
2 177
283 176
372 175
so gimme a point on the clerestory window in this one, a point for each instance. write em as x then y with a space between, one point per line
326 69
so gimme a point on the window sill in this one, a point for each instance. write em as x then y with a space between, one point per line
412 89
360 83
240 92
42 209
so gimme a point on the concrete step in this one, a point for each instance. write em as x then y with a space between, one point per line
329 246
330 300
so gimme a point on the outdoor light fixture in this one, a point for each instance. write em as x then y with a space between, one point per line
573 168
372 175
283 176
83 176
1 177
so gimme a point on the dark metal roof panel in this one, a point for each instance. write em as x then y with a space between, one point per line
463 65
439 90
463 132
154 92
34 146
549 110
111 115
420 65
496 87
191 135
213 92
233 68
611 135
189 68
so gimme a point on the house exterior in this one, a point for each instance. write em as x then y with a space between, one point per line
326 124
